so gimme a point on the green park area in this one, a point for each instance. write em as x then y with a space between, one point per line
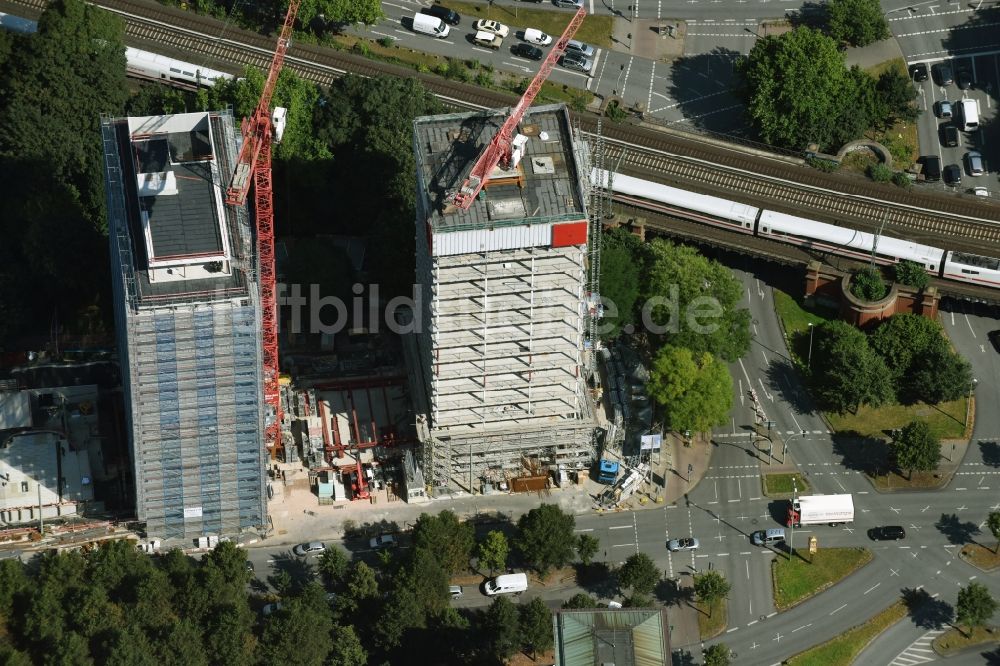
712 618
842 650
776 485
595 30
804 575
954 640
946 420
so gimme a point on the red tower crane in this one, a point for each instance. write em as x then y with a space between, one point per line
499 150
255 160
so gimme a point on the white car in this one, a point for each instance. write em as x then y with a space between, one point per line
980 191
682 544
538 37
311 548
382 541
489 25
271 608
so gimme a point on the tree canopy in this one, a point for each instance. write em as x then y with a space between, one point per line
621 279
692 302
975 606
711 587
717 655
909 272
916 448
856 22
993 524
536 626
846 372
587 546
639 574
493 551
695 391
545 537
449 538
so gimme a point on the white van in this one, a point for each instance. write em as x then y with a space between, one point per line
430 25
507 584
969 112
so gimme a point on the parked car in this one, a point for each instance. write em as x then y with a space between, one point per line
974 162
490 40
919 72
489 25
949 135
964 79
538 37
943 75
944 109
689 543
887 533
572 4
271 608
527 51
953 174
983 192
577 62
586 50
311 548
455 591
449 16
931 167
250 569
382 541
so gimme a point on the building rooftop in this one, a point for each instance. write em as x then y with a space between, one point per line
184 237
543 187
627 637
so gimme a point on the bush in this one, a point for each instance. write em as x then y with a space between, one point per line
615 112
867 284
484 79
362 48
579 102
423 69
386 41
880 173
472 63
911 274
901 151
489 67
901 179
827 166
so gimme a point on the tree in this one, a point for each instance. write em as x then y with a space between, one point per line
347 648
639 574
846 372
867 284
993 522
586 548
298 634
448 538
717 655
975 606
333 565
621 279
911 274
692 301
536 626
799 92
898 93
493 551
361 583
940 375
545 537
342 12
183 645
904 337
580 600
694 390
856 22
916 448
502 626
711 587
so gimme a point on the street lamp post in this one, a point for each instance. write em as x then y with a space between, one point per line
968 403
810 361
618 83
784 444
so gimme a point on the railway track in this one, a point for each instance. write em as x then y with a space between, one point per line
643 151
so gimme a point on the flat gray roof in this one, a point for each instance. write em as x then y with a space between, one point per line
548 185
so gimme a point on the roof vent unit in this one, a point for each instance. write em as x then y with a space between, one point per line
278 122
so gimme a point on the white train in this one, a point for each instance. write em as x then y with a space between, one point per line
719 212
141 64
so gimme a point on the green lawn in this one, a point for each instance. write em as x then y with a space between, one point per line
710 627
796 320
842 650
947 420
781 484
595 30
954 641
796 580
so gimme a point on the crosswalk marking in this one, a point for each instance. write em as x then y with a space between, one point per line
919 651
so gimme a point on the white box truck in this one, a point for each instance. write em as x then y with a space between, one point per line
820 510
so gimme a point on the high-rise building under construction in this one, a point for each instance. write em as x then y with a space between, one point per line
187 317
503 285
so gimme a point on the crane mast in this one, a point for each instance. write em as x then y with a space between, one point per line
255 160
500 147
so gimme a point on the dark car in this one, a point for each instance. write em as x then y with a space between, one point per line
527 51
994 337
943 75
964 78
932 167
449 16
887 533
949 135
918 71
953 174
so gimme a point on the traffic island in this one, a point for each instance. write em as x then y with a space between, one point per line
780 485
806 575
984 558
712 621
844 649
954 640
